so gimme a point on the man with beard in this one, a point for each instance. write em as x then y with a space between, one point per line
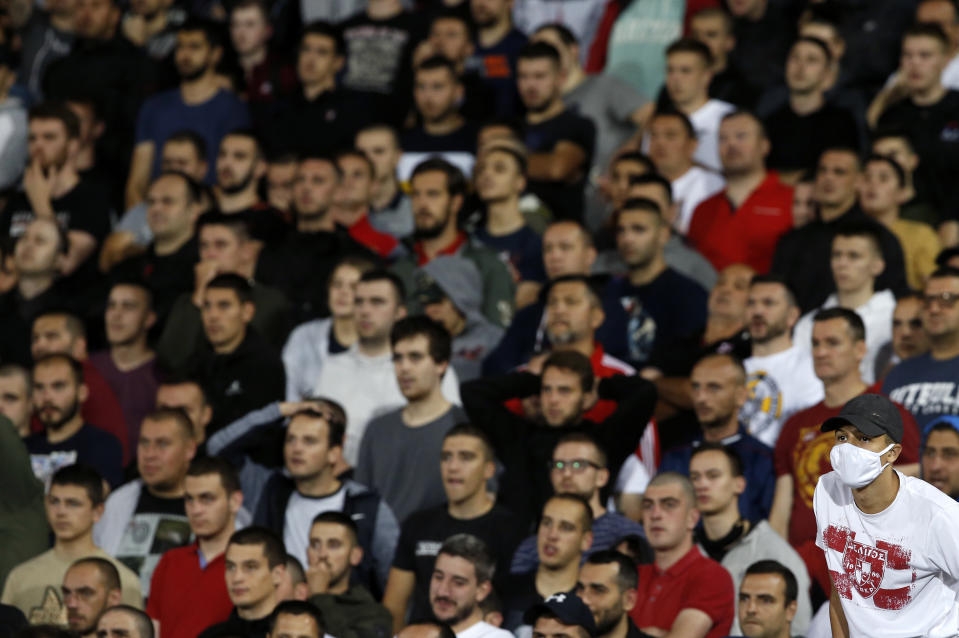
940 456
462 579
566 390
498 44
54 189
146 516
199 104
130 365
718 383
348 608
438 190
560 141
607 584
443 131
780 373
395 443
665 307
90 587
240 165
58 391
743 222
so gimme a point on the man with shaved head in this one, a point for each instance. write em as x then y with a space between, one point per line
124 621
90 586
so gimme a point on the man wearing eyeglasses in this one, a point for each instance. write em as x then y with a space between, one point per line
579 467
927 384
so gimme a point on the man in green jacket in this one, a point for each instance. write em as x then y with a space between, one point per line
349 610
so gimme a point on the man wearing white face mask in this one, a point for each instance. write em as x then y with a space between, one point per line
889 539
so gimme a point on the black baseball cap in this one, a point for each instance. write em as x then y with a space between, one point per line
427 291
568 609
871 414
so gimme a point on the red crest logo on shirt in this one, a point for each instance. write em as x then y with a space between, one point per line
865 565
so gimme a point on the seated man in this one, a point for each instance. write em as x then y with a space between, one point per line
767 600
90 586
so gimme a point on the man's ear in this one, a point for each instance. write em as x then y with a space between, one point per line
236 501
356 556
248 311
602 477
115 597
276 574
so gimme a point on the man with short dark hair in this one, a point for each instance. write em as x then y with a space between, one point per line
123 621
560 141
394 444
199 103
761 203
240 371
390 207
90 586
154 502
908 337
129 365
607 584
187 591
925 384
671 595
466 464
255 558
58 392
348 608
438 192
351 204
16 400
267 77
312 452
297 618
74 502
940 456
736 542
767 600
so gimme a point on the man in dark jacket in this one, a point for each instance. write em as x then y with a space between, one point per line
566 390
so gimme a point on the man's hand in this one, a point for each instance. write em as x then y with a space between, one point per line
203 274
289 408
39 188
318 574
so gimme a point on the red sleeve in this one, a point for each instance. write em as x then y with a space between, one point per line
102 410
154 609
782 454
596 60
713 594
910 437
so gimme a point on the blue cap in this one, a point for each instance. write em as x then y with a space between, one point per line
568 609
946 419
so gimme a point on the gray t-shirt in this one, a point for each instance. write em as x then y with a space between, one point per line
609 102
402 463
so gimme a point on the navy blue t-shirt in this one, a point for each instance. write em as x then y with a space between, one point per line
927 387
496 66
564 199
666 312
758 469
521 251
90 446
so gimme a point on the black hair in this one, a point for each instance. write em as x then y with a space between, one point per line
438 61
928 30
327 30
775 567
854 323
273 548
735 461
565 33
76 368
438 339
896 167
575 362
81 475
653 177
237 283
818 42
212 31
586 519
643 204
770 278
298 608
585 437
381 274
627 576
57 111
682 117
691 45
203 465
335 428
191 137
339 518
539 51
468 429
455 181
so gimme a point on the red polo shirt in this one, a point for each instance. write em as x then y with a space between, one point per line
185 598
745 235
694 582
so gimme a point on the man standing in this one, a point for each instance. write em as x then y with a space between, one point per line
802 452
129 365
58 392
729 538
888 538
498 44
90 586
73 504
255 562
780 372
743 222
925 384
559 140
719 390
672 597
466 464
188 591
462 579
200 104
395 443
291 500
348 608
153 502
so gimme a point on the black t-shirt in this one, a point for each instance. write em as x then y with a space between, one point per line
325 124
520 596
798 140
564 199
417 140
151 504
934 133
424 532
168 276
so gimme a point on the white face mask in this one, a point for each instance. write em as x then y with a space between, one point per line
857 467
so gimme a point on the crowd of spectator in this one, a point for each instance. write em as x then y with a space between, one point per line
479 318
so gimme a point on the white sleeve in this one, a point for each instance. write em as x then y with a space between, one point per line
942 542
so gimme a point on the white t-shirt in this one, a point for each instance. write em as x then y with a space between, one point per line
706 121
689 190
300 512
876 314
484 630
779 385
892 570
